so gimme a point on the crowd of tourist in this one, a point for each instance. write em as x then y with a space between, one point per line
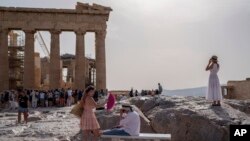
158 91
60 97
44 98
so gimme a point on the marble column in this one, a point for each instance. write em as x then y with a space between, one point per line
55 77
29 60
100 60
4 62
80 71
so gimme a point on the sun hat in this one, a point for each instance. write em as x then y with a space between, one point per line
126 107
214 57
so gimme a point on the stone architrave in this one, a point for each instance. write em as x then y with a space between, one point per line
29 62
100 60
80 60
55 77
4 62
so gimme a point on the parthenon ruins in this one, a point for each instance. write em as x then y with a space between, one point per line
84 18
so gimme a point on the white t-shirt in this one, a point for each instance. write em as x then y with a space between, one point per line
34 96
69 92
131 123
42 95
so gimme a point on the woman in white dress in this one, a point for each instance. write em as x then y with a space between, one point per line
214 88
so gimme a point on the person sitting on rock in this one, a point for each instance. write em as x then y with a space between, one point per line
130 123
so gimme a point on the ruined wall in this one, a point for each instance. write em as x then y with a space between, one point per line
240 89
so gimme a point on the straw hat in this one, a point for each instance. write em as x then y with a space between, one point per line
126 106
214 57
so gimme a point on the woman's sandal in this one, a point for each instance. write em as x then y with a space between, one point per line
214 104
218 104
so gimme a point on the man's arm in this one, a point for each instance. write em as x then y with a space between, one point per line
122 123
126 120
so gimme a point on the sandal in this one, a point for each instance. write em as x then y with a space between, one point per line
218 104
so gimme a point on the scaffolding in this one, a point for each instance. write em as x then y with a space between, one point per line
16 59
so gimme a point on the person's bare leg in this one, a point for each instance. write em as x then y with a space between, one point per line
86 135
25 114
19 117
97 134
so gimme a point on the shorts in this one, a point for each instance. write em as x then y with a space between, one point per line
22 110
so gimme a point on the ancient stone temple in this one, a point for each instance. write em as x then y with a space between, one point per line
84 18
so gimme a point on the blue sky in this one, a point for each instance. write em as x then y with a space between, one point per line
167 41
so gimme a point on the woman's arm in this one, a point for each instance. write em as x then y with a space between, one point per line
93 103
209 65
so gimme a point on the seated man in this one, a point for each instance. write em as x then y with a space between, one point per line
129 124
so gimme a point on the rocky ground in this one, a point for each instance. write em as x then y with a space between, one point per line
186 118
192 118
45 124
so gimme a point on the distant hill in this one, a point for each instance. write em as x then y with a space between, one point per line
200 91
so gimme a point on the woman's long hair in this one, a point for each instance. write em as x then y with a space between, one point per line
86 92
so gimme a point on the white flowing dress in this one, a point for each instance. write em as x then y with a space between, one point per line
214 92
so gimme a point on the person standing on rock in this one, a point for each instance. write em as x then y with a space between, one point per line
6 98
62 98
89 121
23 106
131 93
79 95
111 102
136 93
69 98
34 99
214 88
160 89
42 99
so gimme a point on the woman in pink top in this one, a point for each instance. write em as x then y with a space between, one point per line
89 122
111 102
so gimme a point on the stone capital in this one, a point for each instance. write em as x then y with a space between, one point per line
55 31
80 32
101 33
29 31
